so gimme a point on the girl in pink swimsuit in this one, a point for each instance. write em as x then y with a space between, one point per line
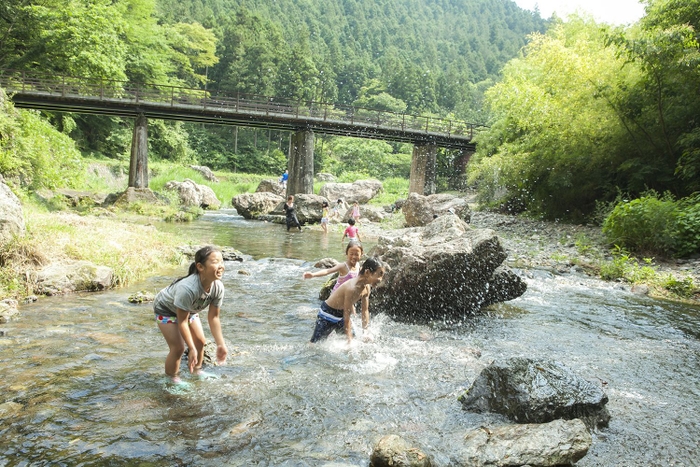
347 270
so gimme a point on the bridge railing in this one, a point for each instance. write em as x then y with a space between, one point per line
106 89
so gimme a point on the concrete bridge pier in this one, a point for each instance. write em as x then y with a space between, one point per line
301 163
423 169
138 169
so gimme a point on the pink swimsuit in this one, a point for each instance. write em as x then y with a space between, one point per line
343 279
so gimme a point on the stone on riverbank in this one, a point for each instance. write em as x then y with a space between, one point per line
444 271
193 194
8 310
308 208
11 214
72 276
361 191
270 185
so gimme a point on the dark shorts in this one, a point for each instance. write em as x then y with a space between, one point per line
328 320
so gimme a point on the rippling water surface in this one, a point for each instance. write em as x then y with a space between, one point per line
85 372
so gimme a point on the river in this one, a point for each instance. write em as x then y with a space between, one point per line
87 370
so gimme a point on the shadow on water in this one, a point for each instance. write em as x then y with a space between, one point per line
82 375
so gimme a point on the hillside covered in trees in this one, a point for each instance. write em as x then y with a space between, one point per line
417 56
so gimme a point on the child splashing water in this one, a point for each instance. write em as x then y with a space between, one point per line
177 310
347 270
335 312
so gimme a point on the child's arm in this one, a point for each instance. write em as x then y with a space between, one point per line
215 327
324 272
348 309
183 325
365 308
358 235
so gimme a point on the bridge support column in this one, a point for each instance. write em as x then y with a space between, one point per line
138 169
423 169
301 163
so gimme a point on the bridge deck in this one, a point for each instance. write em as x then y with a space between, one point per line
195 105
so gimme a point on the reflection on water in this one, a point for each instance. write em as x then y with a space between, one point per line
83 374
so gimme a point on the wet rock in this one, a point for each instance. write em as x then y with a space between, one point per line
444 271
72 276
420 210
11 214
270 185
8 310
243 272
193 194
372 213
327 287
252 205
536 391
142 296
361 191
640 289
394 451
560 442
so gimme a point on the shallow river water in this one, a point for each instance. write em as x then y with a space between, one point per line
87 370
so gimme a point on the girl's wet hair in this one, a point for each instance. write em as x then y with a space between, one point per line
325 204
371 265
201 256
351 221
353 243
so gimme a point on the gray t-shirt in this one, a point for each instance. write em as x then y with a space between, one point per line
188 295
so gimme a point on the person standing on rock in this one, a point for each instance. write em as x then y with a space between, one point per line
290 215
356 211
177 308
335 312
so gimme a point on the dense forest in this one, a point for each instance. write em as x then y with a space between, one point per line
417 56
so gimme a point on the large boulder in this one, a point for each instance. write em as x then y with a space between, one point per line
252 205
11 214
560 442
193 194
72 276
270 185
133 195
308 208
361 191
444 271
420 210
536 391
8 310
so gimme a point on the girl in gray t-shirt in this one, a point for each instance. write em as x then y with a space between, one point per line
177 306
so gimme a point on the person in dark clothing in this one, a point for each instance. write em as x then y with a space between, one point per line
291 215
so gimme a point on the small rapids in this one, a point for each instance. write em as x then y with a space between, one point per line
83 384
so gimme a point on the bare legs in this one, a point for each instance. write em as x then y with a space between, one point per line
176 344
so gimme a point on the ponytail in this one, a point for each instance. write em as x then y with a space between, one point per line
200 257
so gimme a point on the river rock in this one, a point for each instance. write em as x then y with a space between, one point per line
84 198
308 208
361 191
252 205
560 442
8 310
73 276
11 214
228 253
326 263
206 172
270 185
444 271
536 391
370 213
192 194
9 409
394 451
420 210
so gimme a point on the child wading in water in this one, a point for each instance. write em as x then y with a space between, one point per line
291 216
335 312
347 270
352 232
324 217
177 310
